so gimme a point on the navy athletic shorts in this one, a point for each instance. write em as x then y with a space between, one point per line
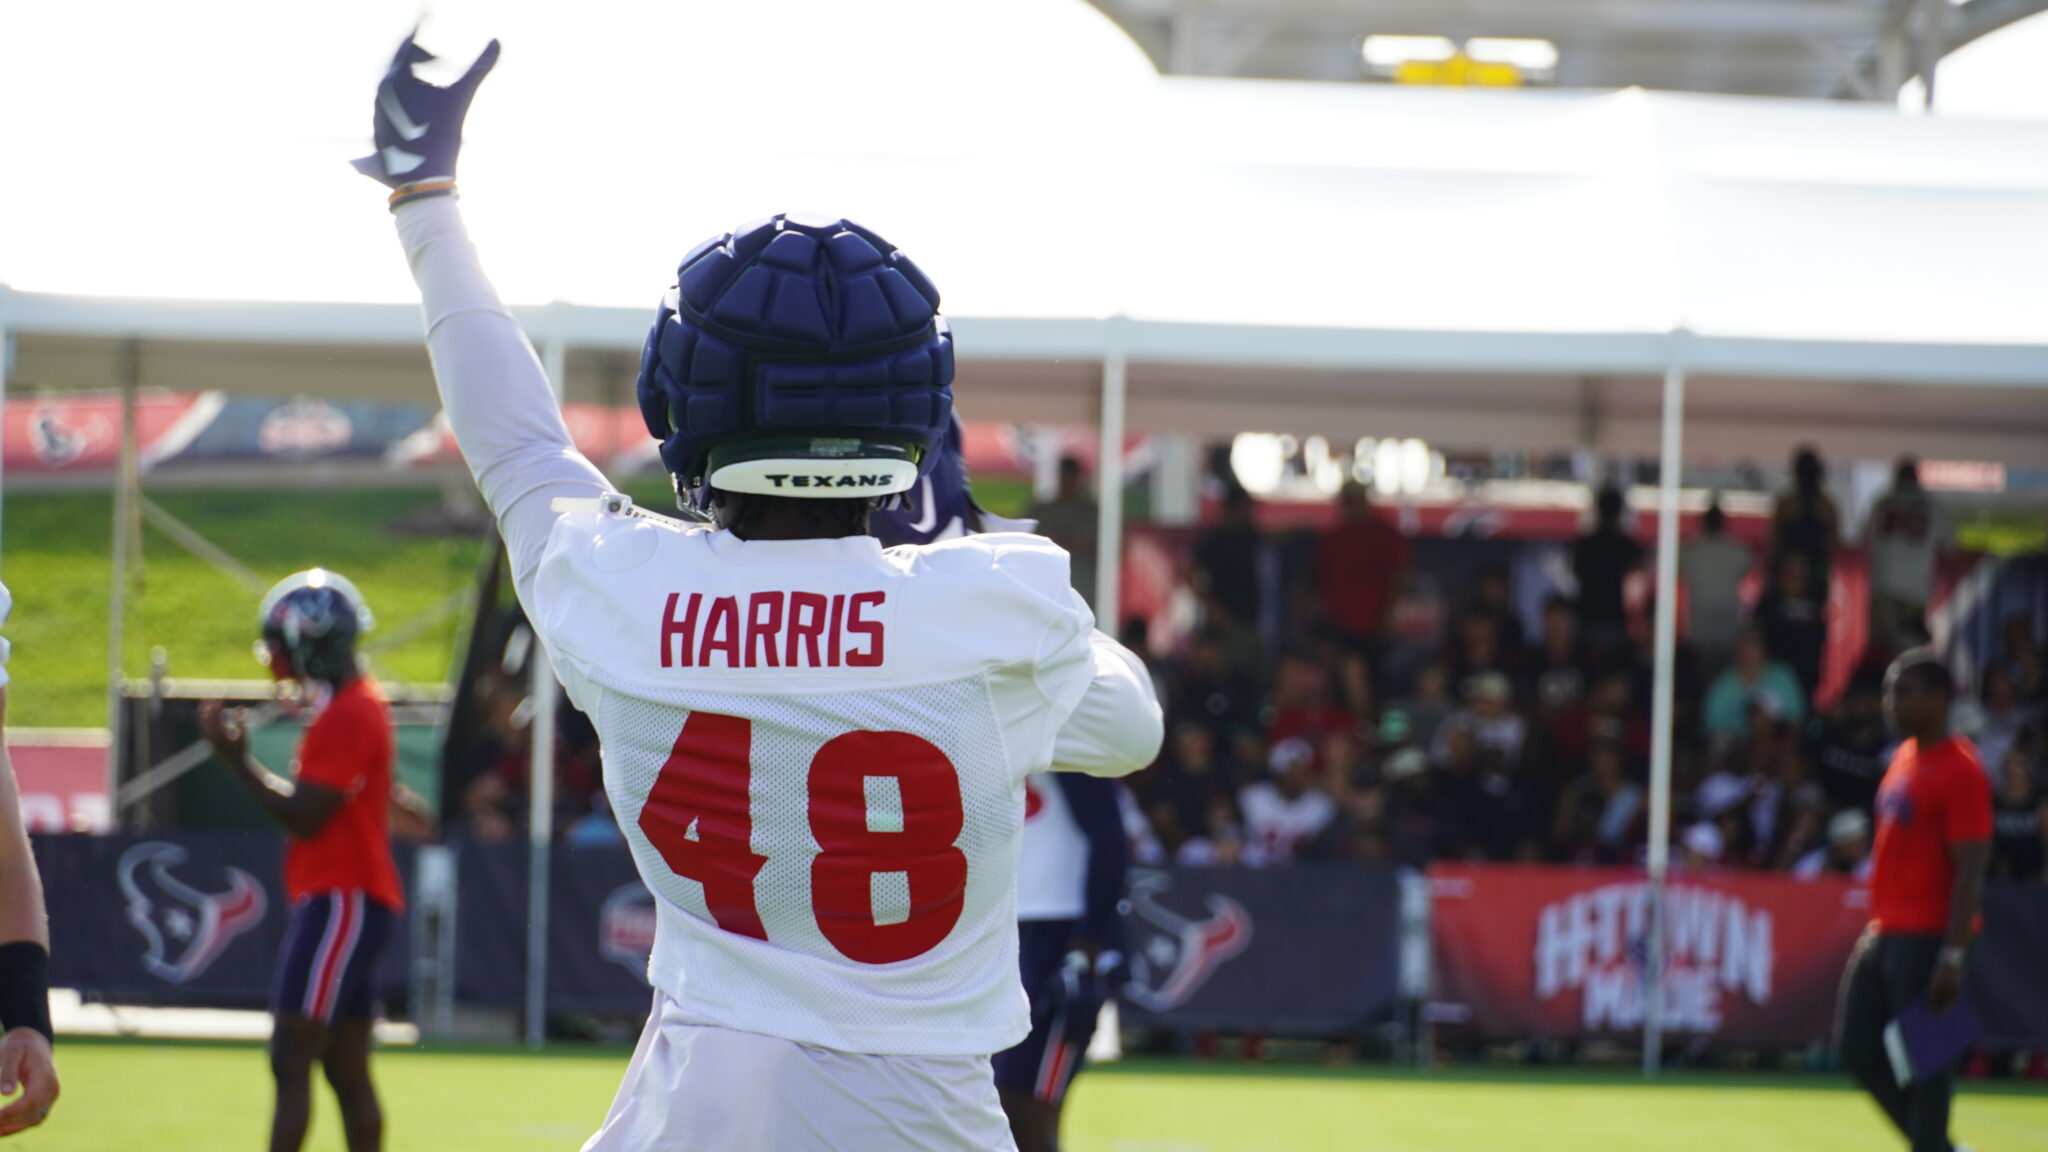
331 946
1045 1063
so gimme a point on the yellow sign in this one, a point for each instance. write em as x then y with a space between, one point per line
1460 71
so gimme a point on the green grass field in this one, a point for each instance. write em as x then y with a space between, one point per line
179 1097
56 564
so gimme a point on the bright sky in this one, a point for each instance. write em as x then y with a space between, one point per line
152 136
148 144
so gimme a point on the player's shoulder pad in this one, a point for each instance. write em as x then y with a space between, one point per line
619 535
6 603
1020 558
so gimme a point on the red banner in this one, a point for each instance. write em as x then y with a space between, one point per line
82 433
62 774
1751 958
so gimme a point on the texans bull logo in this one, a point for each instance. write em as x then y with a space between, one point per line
625 928
1182 952
186 930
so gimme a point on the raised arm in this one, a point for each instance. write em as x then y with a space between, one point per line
504 414
506 418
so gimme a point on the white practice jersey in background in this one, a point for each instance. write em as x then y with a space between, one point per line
1276 827
816 749
1905 533
1052 873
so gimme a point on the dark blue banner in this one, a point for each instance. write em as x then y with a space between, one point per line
600 930
1296 951
2009 965
185 918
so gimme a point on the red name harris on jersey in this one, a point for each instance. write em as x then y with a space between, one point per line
772 630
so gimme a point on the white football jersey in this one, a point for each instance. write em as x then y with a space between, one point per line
6 610
817 752
1276 827
1906 529
816 749
1052 873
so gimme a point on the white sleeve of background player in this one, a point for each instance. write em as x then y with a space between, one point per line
6 608
1116 727
505 416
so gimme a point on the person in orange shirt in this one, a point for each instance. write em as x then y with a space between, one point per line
338 872
1926 886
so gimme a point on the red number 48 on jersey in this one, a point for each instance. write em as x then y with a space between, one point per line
705 785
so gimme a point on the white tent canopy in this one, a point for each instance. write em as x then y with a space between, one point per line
1469 267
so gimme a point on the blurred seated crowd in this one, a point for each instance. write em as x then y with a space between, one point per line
1298 731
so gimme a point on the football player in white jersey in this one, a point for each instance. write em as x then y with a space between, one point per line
1071 872
816 747
1071 882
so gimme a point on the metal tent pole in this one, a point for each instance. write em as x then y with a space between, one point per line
542 694
117 592
1670 468
1109 472
540 841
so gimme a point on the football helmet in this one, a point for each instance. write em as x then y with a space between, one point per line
797 356
310 622
942 506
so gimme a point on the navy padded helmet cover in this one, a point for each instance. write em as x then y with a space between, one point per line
791 325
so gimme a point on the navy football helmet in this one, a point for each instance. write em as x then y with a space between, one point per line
310 622
797 356
942 506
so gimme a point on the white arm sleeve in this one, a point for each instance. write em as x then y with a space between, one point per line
1116 729
505 416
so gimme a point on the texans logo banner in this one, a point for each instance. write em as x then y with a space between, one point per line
1561 952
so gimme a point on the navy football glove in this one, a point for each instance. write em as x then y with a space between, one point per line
1079 990
419 125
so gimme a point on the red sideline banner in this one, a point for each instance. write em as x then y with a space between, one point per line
1531 951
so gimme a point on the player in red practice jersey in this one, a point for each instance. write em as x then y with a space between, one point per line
338 873
1926 886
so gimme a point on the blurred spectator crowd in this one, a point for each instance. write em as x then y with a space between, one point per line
1299 729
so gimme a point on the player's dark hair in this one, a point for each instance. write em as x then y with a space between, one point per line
1714 520
1923 667
1607 505
740 513
1906 473
1806 469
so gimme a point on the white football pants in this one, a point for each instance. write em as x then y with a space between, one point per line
694 1087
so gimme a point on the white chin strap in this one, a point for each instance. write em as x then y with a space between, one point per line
816 479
